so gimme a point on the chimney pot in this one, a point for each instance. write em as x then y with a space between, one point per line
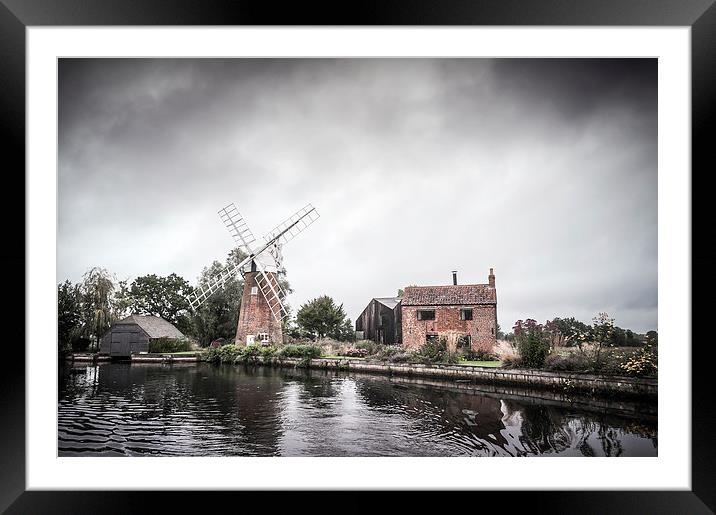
454 277
491 278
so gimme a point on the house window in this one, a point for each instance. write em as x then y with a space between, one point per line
466 314
254 290
464 342
381 322
431 338
426 314
263 337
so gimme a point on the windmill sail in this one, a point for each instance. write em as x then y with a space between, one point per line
201 293
237 226
239 230
272 292
293 225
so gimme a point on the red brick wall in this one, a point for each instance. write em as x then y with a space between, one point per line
255 315
481 328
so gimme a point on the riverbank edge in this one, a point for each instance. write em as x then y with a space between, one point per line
591 384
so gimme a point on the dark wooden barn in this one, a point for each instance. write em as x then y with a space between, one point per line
133 334
381 320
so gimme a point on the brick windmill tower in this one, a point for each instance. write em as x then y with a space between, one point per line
262 303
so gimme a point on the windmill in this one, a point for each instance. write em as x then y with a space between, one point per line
262 303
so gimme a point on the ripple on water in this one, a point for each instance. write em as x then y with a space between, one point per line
130 410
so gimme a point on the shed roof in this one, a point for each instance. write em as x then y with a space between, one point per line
389 302
155 327
449 295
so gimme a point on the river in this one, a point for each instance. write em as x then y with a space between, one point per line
205 410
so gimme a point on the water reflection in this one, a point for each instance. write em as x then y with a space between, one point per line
190 410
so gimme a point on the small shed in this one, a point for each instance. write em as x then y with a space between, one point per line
381 320
133 334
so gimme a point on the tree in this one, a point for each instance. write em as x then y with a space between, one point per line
602 333
569 329
321 317
218 316
122 301
401 291
96 293
164 297
69 315
345 332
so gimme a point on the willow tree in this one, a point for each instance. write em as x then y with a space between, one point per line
96 288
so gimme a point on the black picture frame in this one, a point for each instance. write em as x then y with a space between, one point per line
16 15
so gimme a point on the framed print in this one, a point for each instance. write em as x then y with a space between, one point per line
484 229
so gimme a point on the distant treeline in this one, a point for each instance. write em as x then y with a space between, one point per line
566 332
87 309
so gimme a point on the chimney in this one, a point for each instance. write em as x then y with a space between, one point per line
491 278
454 277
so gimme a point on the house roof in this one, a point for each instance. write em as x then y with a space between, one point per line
389 302
155 327
460 294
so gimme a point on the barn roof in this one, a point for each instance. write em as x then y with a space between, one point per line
389 302
155 327
449 295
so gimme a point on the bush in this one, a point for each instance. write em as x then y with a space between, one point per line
388 352
479 355
512 361
249 354
169 345
570 362
400 357
372 348
644 362
268 353
228 353
533 343
435 351
300 351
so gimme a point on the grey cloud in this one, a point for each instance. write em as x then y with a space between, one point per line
543 169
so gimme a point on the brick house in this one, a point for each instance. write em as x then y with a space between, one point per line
470 309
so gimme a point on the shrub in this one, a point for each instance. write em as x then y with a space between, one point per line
268 353
400 357
570 362
248 354
229 353
533 343
169 345
300 351
642 363
388 352
435 351
512 361
370 347
479 355
211 355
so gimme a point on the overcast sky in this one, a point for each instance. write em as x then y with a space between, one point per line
544 169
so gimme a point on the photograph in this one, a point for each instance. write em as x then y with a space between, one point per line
357 257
